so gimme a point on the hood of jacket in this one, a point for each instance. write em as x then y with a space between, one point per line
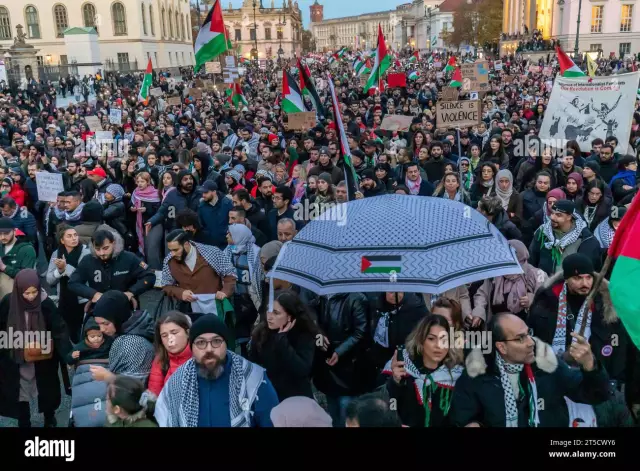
118 244
140 323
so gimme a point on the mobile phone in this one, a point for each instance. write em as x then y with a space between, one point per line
399 349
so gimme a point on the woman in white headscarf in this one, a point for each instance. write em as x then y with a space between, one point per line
248 293
509 197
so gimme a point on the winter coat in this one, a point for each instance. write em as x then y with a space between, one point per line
532 202
22 255
215 219
174 202
158 378
47 379
542 258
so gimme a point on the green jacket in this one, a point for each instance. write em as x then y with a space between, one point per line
22 256
141 423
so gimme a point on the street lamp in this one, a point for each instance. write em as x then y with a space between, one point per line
282 21
254 51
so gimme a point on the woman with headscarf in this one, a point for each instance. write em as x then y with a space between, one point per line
509 197
541 215
466 172
114 208
248 293
573 187
31 373
512 294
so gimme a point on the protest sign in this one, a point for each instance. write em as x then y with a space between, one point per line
93 122
475 76
535 69
497 65
396 122
49 185
174 100
301 121
230 61
155 91
115 116
213 67
547 71
103 135
195 93
457 114
364 78
450 93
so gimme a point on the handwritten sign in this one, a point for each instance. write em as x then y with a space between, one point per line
230 61
450 93
155 91
457 114
115 116
174 101
213 67
49 185
475 76
396 122
301 121
195 93
93 122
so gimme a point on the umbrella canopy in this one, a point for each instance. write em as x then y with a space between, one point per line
395 243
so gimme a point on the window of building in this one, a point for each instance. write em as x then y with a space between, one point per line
119 19
625 48
163 24
252 34
40 60
144 21
151 22
155 56
5 24
267 33
64 60
61 19
183 58
596 18
238 35
89 16
123 57
170 61
625 18
595 47
32 22
170 22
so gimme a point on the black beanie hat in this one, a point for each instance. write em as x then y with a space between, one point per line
92 211
595 166
113 306
577 264
208 324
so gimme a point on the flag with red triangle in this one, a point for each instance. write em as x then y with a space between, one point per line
456 79
146 84
568 68
212 37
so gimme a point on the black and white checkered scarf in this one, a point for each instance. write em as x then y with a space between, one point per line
604 233
178 404
567 239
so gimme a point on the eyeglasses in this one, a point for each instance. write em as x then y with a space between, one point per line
521 338
201 344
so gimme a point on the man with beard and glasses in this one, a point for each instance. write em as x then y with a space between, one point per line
186 195
110 268
216 387
196 274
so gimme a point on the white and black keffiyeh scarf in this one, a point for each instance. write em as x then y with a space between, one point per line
568 239
131 355
604 233
178 404
510 405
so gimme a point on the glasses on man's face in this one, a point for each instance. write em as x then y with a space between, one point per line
522 338
201 344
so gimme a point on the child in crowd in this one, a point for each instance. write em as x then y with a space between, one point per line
94 346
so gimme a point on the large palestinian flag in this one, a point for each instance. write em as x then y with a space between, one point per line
212 37
291 97
380 66
568 68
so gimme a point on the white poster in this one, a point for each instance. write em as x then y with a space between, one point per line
584 108
3 71
115 116
49 185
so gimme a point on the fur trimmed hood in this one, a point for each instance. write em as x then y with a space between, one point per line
546 360
608 311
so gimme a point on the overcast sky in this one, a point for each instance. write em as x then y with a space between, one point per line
333 8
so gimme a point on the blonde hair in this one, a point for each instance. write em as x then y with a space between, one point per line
145 176
302 172
419 334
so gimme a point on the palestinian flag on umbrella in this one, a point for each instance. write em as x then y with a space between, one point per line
568 68
414 57
413 75
307 88
451 65
456 79
146 85
381 264
211 40
291 97
235 95
625 277
380 66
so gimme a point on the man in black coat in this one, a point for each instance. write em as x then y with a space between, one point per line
553 321
521 382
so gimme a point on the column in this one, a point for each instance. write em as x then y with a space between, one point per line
505 16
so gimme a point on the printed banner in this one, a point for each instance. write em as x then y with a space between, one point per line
583 109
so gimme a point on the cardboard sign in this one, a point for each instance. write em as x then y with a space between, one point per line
49 185
155 91
208 85
457 114
230 61
174 100
396 122
508 78
115 116
450 93
475 76
301 121
195 93
94 123
364 78
213 67
535 69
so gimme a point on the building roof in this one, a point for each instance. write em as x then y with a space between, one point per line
451 5
80 30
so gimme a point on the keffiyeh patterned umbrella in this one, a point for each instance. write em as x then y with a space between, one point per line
395 243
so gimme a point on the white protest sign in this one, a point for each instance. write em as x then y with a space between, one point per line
49 185
115 116
103 135
155 91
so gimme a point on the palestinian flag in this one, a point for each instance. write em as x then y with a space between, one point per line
380 66
307 88
413 75
414 57
429 59
350 175
228 36
625 277
337 55
366 68
456 79
212 37
235 95
294 159
567 67
381 264
451 65
291 96
146 85
357 63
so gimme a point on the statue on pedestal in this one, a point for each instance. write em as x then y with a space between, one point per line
19 40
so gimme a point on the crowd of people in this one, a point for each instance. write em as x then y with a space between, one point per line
195 200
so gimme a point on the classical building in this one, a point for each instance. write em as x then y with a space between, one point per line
422 24
128 32
267 29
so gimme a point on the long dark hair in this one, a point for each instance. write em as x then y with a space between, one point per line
178 318
294 307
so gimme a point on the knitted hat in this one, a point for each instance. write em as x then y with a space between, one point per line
6 225
208 324
368 173
325 177
113 306
577 264
595 166
578 178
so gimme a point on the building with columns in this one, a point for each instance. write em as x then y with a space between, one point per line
267 27
355 32
129 32
422 24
